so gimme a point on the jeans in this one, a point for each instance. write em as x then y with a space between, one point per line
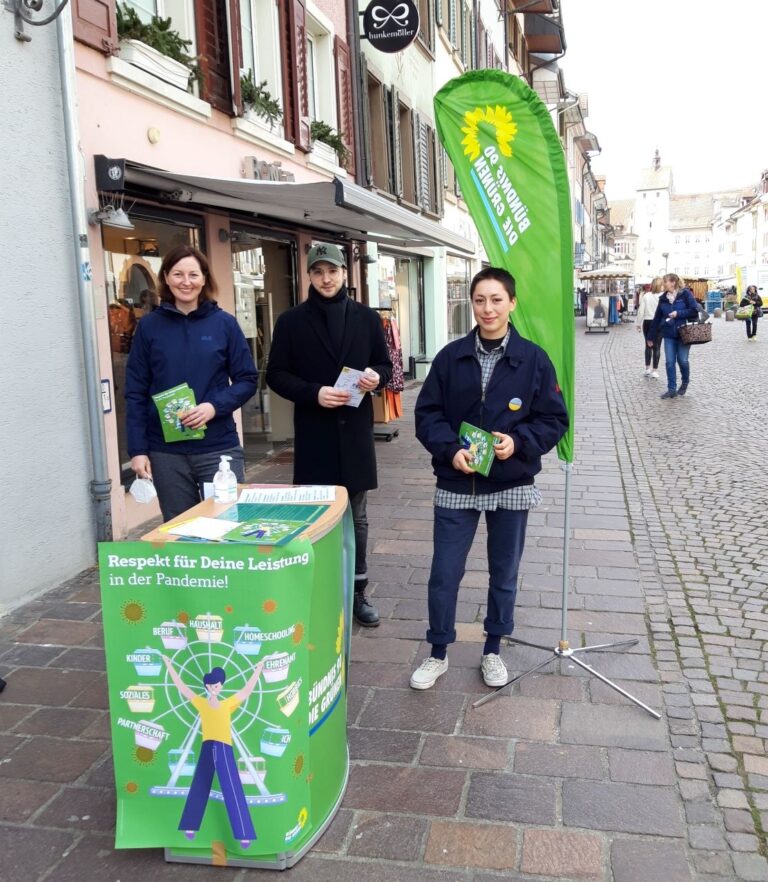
454 531
215 756
358 502
751 325
656 346
675 351
179 477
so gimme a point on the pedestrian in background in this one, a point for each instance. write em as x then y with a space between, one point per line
649 301
499 382
753 299
676 306
333 442
187 339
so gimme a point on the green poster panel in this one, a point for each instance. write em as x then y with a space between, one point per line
226 669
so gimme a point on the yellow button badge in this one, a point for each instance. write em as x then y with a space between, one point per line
515 404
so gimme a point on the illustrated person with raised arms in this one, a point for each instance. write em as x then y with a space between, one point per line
216 754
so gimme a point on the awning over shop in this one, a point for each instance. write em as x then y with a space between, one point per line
335 207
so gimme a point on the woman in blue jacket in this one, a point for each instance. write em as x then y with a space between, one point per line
187 339
676 307
497 381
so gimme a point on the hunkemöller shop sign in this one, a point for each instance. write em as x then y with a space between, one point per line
391 25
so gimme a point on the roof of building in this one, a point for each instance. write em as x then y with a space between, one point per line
621 212
691 211
656 178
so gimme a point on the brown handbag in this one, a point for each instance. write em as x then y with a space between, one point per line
695 332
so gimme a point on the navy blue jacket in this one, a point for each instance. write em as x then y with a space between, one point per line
452 394
685 306
205 349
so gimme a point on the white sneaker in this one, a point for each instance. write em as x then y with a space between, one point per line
647 372
494 670
655 375
425 676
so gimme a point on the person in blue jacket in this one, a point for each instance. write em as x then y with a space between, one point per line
677 305
187 339
497 381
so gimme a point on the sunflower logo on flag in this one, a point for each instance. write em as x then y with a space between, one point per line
496 122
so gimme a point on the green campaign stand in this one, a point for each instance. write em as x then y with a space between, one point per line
272 623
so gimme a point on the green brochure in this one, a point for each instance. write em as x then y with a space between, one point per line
262 524
480 444
170 405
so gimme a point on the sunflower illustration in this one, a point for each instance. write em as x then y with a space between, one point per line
496 122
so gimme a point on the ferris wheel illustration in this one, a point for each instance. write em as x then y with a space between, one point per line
254 722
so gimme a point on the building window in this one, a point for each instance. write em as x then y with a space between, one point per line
459 307
426 30
321 75
260 37
407 154
379 137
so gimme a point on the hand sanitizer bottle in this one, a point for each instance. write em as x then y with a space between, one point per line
225 482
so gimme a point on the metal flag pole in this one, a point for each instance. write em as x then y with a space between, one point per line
564 648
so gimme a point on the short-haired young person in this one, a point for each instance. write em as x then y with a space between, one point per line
333 443
498 381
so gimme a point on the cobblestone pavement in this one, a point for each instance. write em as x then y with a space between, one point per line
563 779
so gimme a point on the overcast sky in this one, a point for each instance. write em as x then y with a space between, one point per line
687 76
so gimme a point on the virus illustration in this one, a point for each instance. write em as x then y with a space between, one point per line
269 606
132 612
298 633
493 122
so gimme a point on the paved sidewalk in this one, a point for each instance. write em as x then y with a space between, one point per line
563 779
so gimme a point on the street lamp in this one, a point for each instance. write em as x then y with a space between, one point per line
665 255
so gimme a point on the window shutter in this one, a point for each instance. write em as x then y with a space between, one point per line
427 200
366 159
472 53
213 48
439 13
346 114
437 183
94 22
397 158
416 123
464 34
482 46
293 16
452 21
236 55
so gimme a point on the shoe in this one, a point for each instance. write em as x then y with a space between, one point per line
647 373
245 843
669 395
494 670
190 834
655 375
364 612
425 676
683 389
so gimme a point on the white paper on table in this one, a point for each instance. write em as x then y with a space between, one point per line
203 528
347 382
309 493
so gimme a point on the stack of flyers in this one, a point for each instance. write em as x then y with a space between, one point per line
480 444
173 404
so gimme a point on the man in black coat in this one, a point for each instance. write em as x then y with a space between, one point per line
333 442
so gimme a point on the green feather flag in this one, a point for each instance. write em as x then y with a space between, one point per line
510 165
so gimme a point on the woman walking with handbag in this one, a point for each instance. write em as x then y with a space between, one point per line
753 299
676 307
645 313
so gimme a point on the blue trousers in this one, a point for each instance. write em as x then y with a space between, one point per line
215 756
454 531
676 352
179 477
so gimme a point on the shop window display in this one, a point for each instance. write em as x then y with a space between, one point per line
131 266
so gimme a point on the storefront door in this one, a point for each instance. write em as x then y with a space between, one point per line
401 289
265 286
